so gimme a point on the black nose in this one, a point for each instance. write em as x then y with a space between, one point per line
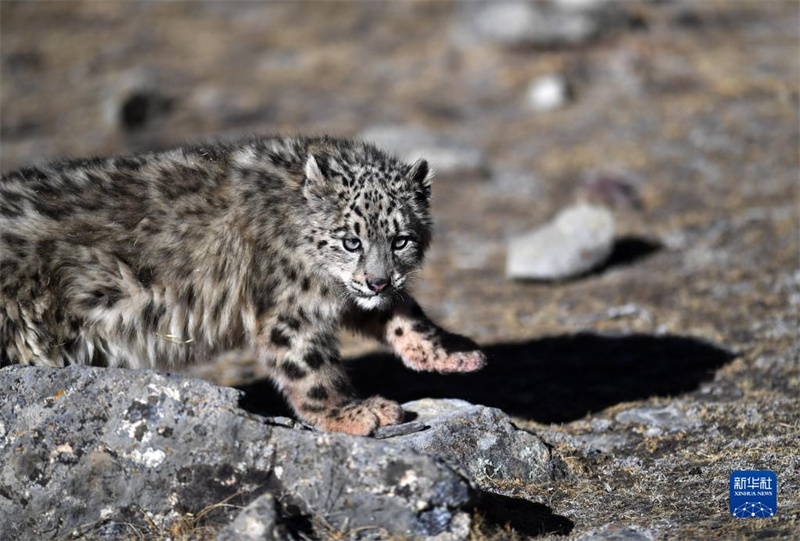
377 284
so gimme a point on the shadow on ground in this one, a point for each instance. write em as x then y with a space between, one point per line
548 380
501 514
626 251
494 516
629 250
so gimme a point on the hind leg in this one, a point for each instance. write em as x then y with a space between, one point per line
26 335
65 313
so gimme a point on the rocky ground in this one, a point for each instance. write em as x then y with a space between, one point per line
653 377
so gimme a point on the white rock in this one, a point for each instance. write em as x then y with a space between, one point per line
519 24
507 22
547 93
579 239
580 5
411 143
256 522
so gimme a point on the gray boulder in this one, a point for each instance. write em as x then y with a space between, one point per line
483 443
104 453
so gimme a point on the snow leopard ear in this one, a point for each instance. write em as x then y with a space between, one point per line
314 182
313 172
421 178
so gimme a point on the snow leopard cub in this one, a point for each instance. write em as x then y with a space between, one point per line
267 246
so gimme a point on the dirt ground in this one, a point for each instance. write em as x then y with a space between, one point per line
653 377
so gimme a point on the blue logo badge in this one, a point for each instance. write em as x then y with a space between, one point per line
754 494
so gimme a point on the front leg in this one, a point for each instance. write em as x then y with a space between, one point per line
308 371
418 341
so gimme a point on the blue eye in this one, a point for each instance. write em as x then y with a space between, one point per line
351 244
400 242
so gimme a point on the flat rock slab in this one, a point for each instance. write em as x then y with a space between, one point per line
670 417
101 451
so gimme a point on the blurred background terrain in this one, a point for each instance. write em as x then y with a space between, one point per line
654 376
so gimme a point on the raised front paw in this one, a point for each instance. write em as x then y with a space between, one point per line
362 417
462 361
432 358
424 346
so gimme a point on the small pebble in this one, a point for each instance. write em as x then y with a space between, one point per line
548 93
579 239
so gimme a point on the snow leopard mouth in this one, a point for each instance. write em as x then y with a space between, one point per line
371 300
370 295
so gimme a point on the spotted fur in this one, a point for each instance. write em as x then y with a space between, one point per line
267 246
